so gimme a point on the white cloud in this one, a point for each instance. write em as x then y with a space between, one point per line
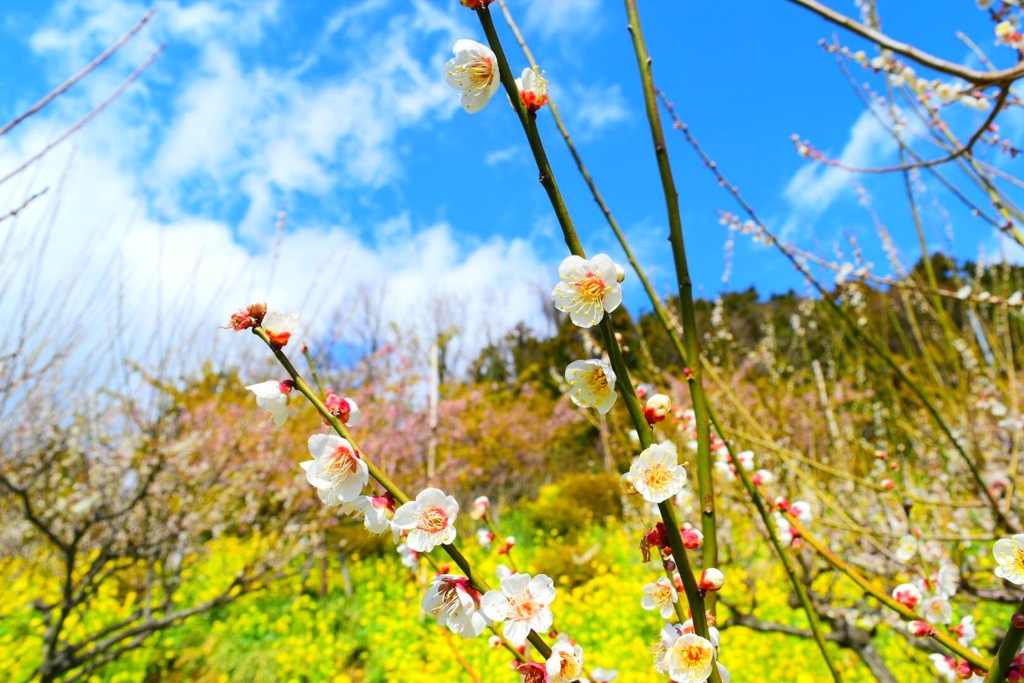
815 187
591 109
564 17
123 252
503 155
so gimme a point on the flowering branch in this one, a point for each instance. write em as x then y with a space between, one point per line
1002 78
378 475
686 305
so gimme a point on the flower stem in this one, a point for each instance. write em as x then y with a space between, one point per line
453 552
1008 649
883 597
686 305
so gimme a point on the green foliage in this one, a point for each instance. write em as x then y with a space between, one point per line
576 501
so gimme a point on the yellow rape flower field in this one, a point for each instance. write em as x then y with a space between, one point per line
379 632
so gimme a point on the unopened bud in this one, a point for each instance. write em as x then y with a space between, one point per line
920 629
711 579
888 484
1017 621
657 408
692 539
620 273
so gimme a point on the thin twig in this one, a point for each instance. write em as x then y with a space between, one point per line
88 117
1002 78
34 109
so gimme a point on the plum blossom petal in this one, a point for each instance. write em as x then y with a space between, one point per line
656 473
522 604
456 605
474 71
1009 554
430 519
690 659
272 396
588 289
336 471
591 384
565 663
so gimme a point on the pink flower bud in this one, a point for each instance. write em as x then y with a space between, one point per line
1017 620
711 579
657 408
533 672
480 507
692 539
476 4
964 670
251 316
920 629
782 503
888 484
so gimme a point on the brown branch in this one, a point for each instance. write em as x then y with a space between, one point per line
1002 78
13 213
1004 92
34 109
88 117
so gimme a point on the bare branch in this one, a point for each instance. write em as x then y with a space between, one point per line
35 108
88 117
1003 78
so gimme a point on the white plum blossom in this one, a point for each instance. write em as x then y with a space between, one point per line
591 384
474 71
1009 554
906 549
965 631
690 659
944 666
410 558
802 511
656 473
937 610
746 459
588 289
480 507
565 663
280 327
336 470
430 519
947 580
907 594
456 605
660 595
533 89
783 528
522 604
376 512
272 396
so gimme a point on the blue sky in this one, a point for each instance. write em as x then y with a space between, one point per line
336 113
